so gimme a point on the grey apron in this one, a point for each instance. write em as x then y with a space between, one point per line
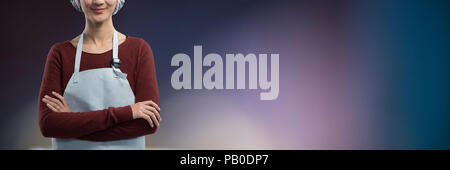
98 89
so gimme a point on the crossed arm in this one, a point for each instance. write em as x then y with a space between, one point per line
114 123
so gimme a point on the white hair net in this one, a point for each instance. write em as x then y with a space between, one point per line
118 6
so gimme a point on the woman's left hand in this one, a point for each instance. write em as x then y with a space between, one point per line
55 104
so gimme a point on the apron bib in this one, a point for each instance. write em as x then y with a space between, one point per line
98 89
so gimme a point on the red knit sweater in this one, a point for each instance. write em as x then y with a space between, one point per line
112 123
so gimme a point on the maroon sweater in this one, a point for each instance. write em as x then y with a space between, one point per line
112 123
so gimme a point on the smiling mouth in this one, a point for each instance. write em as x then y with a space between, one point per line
99 10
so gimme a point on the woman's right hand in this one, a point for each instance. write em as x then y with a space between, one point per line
147 110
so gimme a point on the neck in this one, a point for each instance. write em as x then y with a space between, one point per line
99 33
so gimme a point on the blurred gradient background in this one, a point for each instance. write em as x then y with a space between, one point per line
353 74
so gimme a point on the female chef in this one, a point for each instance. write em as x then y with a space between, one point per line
99 90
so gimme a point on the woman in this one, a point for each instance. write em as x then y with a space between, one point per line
108 81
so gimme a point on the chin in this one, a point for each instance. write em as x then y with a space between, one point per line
100 18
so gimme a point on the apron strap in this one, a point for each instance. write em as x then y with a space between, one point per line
78 53
115 59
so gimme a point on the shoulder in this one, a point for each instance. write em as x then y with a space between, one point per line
137 42
60 49
61 46
56 53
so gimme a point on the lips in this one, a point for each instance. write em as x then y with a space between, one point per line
99 10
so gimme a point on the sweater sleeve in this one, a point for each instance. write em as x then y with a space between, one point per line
71 124
146 89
